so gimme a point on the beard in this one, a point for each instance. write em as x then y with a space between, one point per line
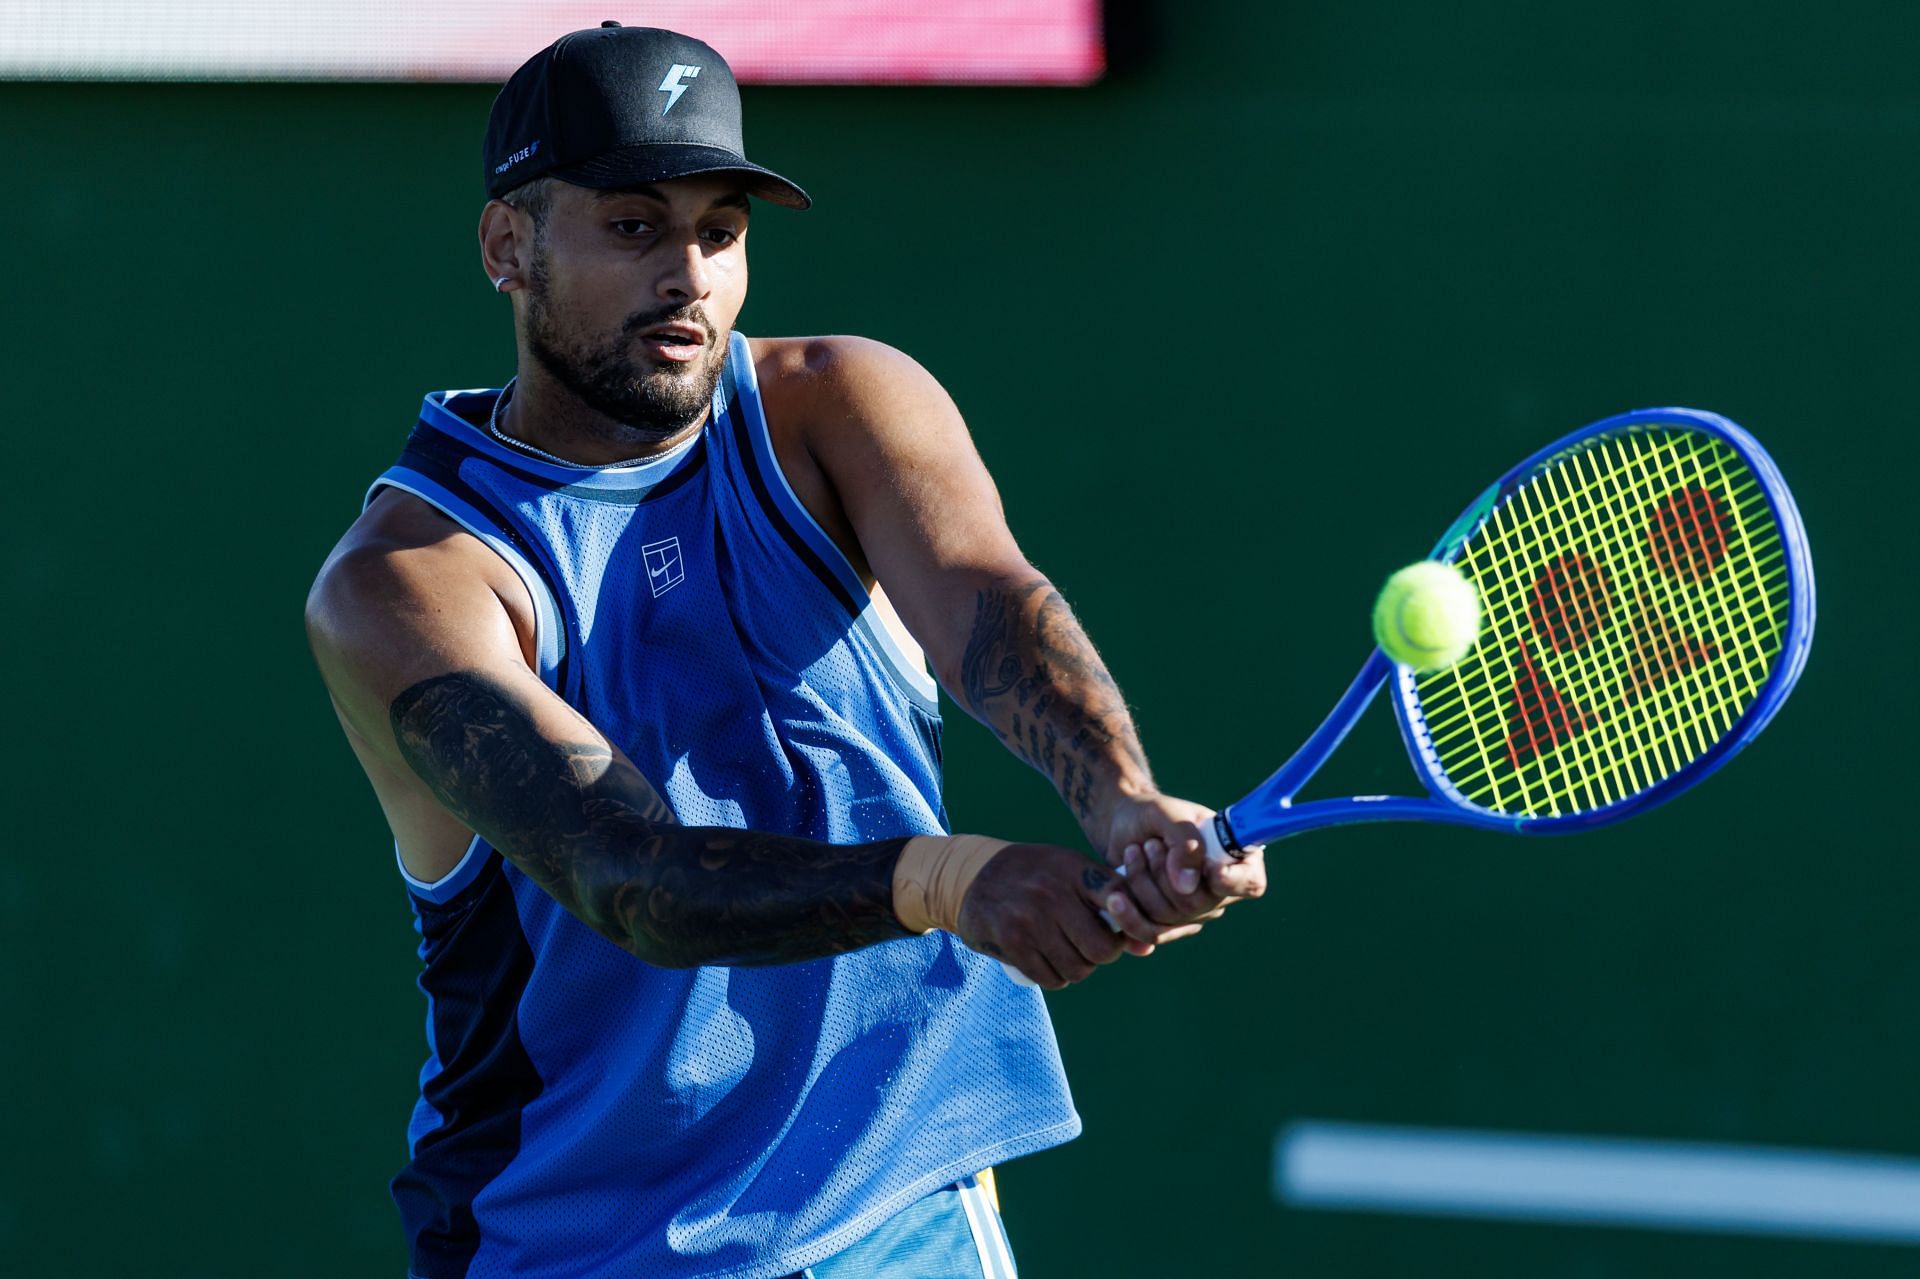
656 402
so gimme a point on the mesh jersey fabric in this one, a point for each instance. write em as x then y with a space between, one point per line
585 1113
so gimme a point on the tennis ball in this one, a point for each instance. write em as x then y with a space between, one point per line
1427 616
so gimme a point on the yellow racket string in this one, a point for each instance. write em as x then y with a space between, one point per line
1534 505
1586 669
1621 758
1636 596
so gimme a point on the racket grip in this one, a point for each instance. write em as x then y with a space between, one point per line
1213 834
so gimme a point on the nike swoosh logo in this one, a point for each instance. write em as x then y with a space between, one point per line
661 571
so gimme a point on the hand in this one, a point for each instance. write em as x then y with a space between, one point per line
1170 884
1036 908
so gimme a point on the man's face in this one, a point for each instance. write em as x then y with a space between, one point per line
632 295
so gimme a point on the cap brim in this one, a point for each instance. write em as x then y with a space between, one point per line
664 161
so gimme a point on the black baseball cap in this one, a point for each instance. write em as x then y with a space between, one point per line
618 106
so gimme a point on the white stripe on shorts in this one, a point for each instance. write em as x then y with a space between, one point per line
989 1238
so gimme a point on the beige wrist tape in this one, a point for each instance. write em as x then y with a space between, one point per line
932 877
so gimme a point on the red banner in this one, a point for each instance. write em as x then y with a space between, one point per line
765 41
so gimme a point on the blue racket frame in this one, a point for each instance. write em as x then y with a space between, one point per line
1268 811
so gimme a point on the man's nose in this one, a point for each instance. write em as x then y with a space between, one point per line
688 280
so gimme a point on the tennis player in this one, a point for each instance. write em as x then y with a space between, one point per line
634 654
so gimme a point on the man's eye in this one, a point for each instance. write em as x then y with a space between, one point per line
721 235
632 226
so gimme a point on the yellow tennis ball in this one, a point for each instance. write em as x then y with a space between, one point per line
1427 616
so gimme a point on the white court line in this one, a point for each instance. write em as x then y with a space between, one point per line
1665 1185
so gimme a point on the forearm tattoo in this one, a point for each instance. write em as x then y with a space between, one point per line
593 833
1031 675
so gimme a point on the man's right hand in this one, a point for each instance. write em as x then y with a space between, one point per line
1036 907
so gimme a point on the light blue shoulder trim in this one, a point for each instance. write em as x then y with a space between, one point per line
479 853
911 676
549 636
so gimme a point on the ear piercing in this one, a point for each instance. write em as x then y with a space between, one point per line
500 284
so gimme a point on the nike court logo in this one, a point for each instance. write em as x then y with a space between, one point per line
665 567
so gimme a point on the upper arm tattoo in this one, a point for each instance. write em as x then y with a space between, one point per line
591 831
1031 675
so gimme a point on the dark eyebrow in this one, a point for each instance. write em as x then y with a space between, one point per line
605 195
647 191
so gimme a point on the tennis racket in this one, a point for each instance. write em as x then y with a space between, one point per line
1647 601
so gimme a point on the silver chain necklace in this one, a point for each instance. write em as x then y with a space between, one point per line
493 429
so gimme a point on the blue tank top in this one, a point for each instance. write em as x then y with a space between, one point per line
583 1113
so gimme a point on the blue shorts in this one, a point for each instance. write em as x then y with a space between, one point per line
951 1234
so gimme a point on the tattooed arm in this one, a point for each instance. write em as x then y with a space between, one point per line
424 639
880 455
591 831
1029 673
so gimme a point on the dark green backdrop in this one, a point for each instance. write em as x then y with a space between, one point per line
1238 330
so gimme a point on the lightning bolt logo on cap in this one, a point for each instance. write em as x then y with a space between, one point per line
671 86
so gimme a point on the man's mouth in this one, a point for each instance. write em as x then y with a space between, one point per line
675 342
